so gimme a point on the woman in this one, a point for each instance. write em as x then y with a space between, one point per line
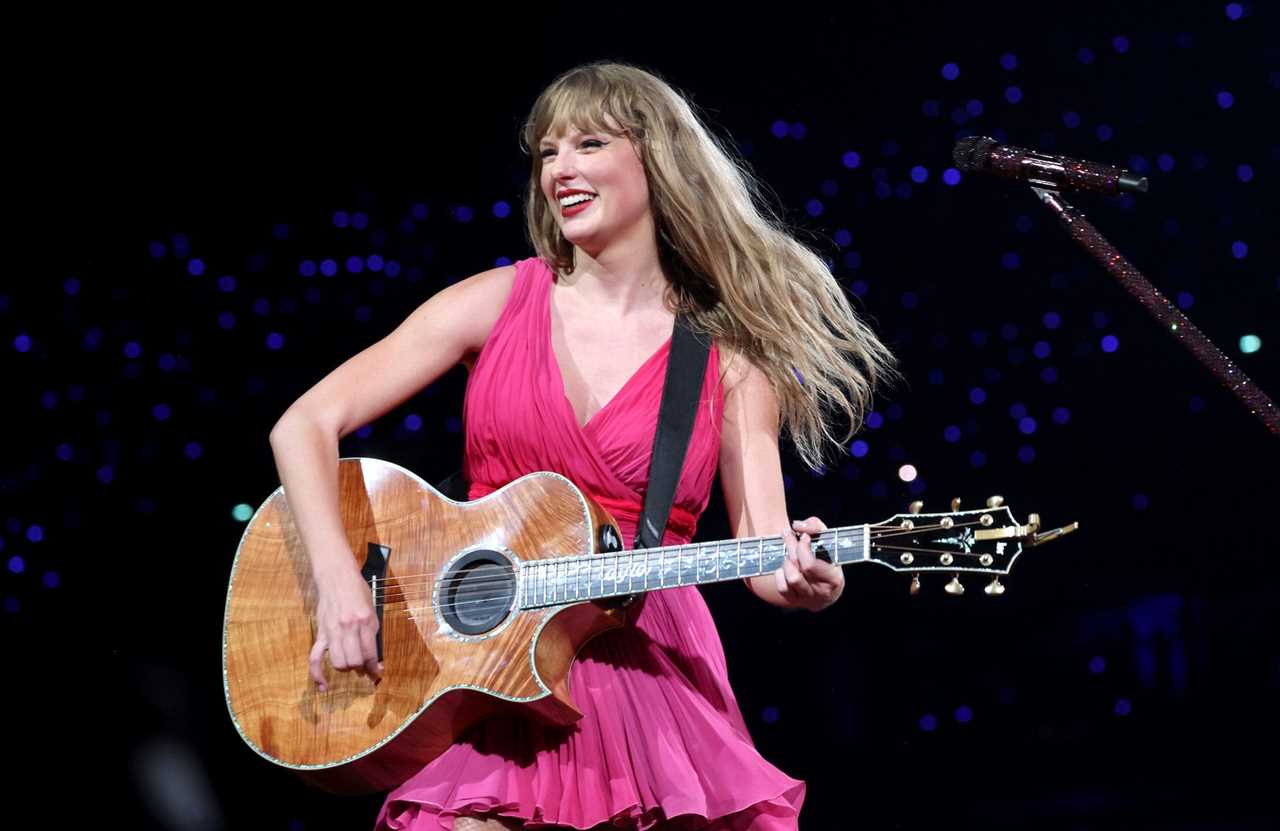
636 213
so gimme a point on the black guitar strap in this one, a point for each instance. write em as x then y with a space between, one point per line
686 368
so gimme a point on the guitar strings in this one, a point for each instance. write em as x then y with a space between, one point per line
771 547
503 603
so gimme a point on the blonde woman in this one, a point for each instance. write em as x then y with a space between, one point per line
636 213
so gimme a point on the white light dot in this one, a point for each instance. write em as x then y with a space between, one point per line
907 473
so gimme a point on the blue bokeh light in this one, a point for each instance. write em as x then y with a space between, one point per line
950 71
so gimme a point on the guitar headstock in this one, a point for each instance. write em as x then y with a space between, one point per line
980 540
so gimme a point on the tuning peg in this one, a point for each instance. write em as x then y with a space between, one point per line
955 504
916 507
1053 535
995 501
915 584
1033 523
995 587
955 587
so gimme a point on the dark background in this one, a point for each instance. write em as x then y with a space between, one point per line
1127 679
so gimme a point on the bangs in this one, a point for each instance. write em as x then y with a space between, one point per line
583 101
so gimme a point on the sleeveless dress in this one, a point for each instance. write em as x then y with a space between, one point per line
661 734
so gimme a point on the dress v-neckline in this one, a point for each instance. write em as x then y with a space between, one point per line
564 390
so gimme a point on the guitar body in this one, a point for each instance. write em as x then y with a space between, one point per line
455 646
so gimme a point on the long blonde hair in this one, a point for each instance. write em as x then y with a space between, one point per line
735 270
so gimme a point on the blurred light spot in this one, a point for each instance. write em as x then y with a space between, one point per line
307 268
935 377
1250 344
1009 331
64 452
951 434
51 580
1052 320
977 458
1225 100
769 715
973 107
226 284
928 723
359 221
1185 300
355 265
1085 55
71 286
453 425
1009 61
17 565
931 108
859 449
1120 43
501 210
851 160
1110 343
1239 249
950 71
964 715
1017 410
1165 162
195 267
1071 119
1197 404
798 130
1041 349
341 219
919 174
275 340
1104 132
907 473
226 320
1140 501
874 420
1010 261
156 249
328 268
894 411
1097 665
951 176
1023 224
161 412
1027 425
463 213
1049 375
858 287
843 238
35 534
418 211
1012 94
392 268
241 512
910 300
413 422
813 207
977 395
1100 319
1244 173
1123 707
1234 11
193 450
1026 454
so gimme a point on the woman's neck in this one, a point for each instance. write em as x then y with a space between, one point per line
617 281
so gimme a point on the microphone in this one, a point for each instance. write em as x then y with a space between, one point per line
979 154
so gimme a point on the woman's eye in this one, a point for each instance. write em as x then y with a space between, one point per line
593 143
546 153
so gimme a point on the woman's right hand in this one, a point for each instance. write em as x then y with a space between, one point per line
346 626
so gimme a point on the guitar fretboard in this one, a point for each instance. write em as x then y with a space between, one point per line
599 576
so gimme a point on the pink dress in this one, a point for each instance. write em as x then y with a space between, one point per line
661 735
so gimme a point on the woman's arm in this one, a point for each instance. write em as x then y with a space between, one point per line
450 327
751 477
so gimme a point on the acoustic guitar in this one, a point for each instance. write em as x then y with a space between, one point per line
483 605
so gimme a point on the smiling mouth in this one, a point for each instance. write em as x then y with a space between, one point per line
576 207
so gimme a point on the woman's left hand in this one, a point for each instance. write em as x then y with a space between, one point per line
804 581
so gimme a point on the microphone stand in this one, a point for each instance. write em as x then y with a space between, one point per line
1169 316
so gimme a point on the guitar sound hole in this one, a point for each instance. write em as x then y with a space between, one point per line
479 592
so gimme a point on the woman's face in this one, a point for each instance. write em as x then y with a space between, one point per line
595 187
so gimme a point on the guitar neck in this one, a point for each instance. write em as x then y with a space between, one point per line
622 573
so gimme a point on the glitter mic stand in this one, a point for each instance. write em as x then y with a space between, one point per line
1173 320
